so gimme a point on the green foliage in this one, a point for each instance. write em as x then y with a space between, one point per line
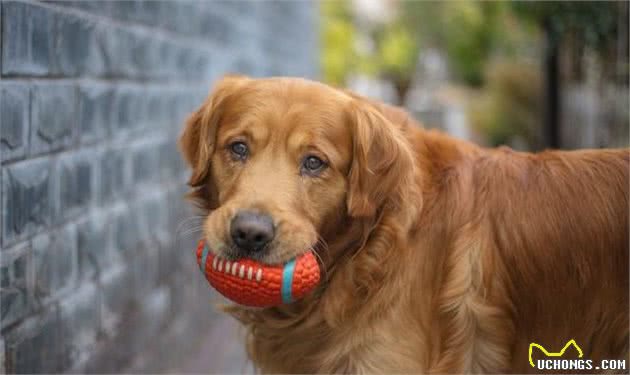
510 105
465 44
468 31
338 51
395 53
398 52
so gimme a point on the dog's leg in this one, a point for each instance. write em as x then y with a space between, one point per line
475 333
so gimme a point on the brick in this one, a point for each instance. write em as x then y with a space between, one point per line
147 12
3 362
173 102
146 163
219 27
75 184
25 343
183 224
153 313
53 117
78 50
95 112
128 233
1 208
101 8
128 107
181 105
54 263
117 299
171 163
165 52
236 7
80 324
144 270
193 64
155 310
153 224
14 120
146 101
155 212
27 39
177 208
94 246
173 15
144 55
176 257
247 66
126 10
117 46
15 282
115 169
156 111
26 199
130 53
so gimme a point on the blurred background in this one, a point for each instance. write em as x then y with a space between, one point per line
97 265
530 75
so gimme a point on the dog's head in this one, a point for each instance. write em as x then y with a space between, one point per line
281 163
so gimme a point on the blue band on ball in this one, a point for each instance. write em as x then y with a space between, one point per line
287 281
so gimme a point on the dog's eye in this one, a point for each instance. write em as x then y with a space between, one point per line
239 150
313 165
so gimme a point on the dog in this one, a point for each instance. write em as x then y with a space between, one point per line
438 256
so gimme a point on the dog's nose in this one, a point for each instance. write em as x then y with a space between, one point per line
251 231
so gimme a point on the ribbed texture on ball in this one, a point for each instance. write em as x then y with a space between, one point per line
250 283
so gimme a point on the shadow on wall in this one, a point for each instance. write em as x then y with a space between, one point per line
97 244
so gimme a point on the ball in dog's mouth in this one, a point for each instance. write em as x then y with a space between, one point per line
252 283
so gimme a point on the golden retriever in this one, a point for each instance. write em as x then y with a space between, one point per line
439 256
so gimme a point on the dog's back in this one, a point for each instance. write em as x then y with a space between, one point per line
560 226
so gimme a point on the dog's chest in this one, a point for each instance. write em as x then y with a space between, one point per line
381 347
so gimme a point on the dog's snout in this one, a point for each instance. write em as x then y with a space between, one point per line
251 231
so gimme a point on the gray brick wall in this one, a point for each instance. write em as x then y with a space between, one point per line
94 276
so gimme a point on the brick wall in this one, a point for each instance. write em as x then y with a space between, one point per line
94 276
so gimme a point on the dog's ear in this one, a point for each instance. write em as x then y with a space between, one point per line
197 140
382 169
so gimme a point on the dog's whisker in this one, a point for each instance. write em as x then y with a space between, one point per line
190 231
188 221
322 263
184 232
321 242
191 218
188 227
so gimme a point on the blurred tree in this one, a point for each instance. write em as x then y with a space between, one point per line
591 24
508 109
338 34
397 56
466 30
594 22
393 56
471 33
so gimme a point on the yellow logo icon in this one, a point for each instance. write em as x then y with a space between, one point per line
554 354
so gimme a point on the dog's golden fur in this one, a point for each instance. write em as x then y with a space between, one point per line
440 256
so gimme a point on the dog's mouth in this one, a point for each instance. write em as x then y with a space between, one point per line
266 256
252 283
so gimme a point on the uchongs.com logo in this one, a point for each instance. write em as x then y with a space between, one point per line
554 360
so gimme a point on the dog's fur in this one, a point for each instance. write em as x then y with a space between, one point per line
439 256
